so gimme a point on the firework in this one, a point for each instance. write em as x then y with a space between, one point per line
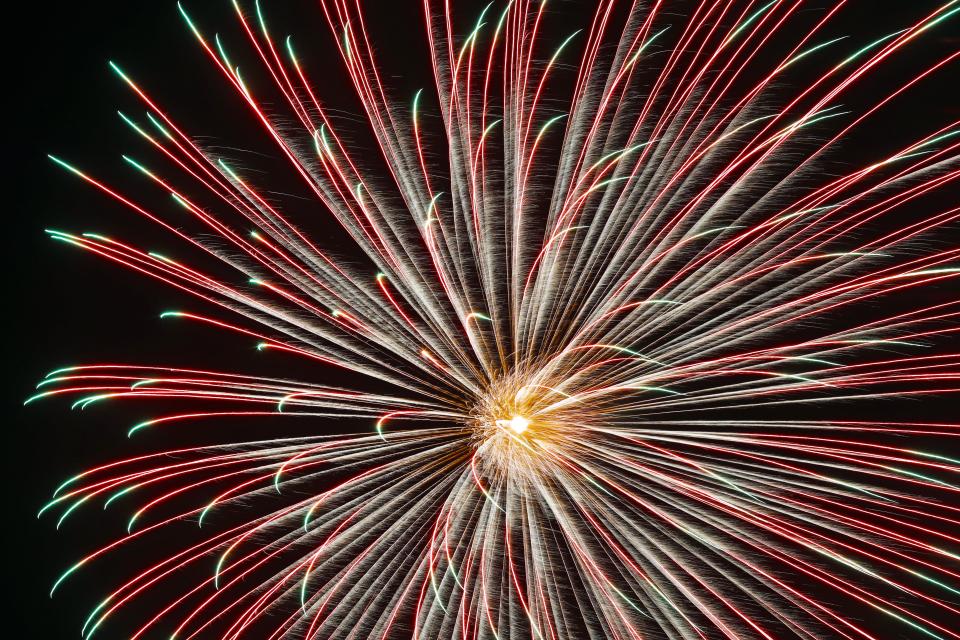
605 307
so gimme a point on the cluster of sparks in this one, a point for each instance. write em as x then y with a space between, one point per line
573 307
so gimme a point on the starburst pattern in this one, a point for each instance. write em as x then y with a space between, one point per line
608 303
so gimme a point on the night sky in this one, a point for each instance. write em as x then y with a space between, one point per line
70 307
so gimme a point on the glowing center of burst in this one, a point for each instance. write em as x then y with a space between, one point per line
516 424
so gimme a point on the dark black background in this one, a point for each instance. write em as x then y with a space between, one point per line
70 307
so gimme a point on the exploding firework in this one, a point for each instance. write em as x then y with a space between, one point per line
602 311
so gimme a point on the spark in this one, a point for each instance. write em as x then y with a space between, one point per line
606 316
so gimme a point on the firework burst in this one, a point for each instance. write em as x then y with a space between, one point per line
604 304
